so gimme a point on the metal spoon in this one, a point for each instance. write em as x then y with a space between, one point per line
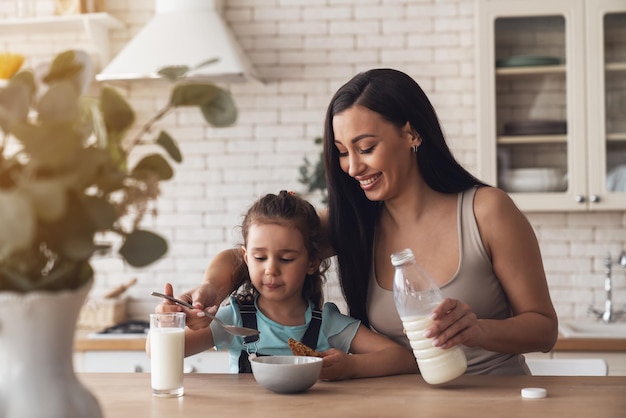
232 329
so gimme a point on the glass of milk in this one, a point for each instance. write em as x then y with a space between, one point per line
167 353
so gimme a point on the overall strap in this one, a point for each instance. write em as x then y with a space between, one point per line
313 331
248 317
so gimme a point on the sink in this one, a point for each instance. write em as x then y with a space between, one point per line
573 329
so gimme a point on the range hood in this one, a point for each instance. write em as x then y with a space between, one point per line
182 32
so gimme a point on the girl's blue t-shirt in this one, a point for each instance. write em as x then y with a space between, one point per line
337 331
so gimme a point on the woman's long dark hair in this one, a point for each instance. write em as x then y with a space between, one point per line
352 217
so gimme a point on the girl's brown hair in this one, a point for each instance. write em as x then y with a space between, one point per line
286 208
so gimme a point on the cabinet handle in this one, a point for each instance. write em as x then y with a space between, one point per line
579 198
189 369
137 369
594 198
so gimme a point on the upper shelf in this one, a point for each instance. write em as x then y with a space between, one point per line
537 69
615 66
552 69
95 26
55 23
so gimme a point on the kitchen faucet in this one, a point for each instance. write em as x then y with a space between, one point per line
608 315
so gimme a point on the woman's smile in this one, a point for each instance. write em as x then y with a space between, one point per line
369 182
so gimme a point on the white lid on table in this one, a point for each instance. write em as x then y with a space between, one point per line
534 393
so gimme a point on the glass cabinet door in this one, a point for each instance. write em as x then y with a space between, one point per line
532 123
531 104
606 90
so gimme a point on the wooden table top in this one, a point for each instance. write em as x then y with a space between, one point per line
84 343
129 395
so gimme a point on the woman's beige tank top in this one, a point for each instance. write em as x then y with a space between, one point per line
474 283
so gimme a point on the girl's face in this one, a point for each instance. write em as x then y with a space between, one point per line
277 260
374 152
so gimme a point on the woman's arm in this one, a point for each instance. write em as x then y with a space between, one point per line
512 245
221 277
372 355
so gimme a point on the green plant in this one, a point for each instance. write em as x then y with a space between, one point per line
313 176
65 177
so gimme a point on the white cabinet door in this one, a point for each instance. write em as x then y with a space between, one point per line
615 360
137 362
606 101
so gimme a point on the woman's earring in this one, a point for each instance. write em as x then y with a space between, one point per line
415 148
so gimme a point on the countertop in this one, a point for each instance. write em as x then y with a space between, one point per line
129 395
84 343
123 342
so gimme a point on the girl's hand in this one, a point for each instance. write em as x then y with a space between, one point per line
454 323
166 305
196 319
336 365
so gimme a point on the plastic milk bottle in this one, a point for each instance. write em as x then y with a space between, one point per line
416 295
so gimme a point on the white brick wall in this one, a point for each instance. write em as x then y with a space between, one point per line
304 50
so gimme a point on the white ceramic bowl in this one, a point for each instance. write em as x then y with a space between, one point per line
286 374
533 180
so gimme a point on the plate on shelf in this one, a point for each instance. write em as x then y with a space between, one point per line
536 127
527 61
533 180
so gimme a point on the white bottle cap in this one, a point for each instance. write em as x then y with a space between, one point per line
534 393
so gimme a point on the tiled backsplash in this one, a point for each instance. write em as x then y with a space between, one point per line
304 50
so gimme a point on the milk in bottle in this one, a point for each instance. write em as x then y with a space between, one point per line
416 295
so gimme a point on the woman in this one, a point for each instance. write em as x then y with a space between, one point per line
392 184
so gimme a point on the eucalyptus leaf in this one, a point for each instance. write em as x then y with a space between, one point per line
91 163
154 163
14 105
97 120
116 151
26 78
142 247
64 67
78 246
117 113
170 146
109 181
100 211
84 121
173 72
48 196
206 63
50 146
221 111
193 94
17 222
59 103
72 235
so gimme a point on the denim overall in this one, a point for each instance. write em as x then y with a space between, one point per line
248 316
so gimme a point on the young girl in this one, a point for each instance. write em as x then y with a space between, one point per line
281 295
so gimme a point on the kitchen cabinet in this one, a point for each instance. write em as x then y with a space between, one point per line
616 361
95 26
134 361
552 102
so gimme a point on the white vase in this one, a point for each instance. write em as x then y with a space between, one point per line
37 378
